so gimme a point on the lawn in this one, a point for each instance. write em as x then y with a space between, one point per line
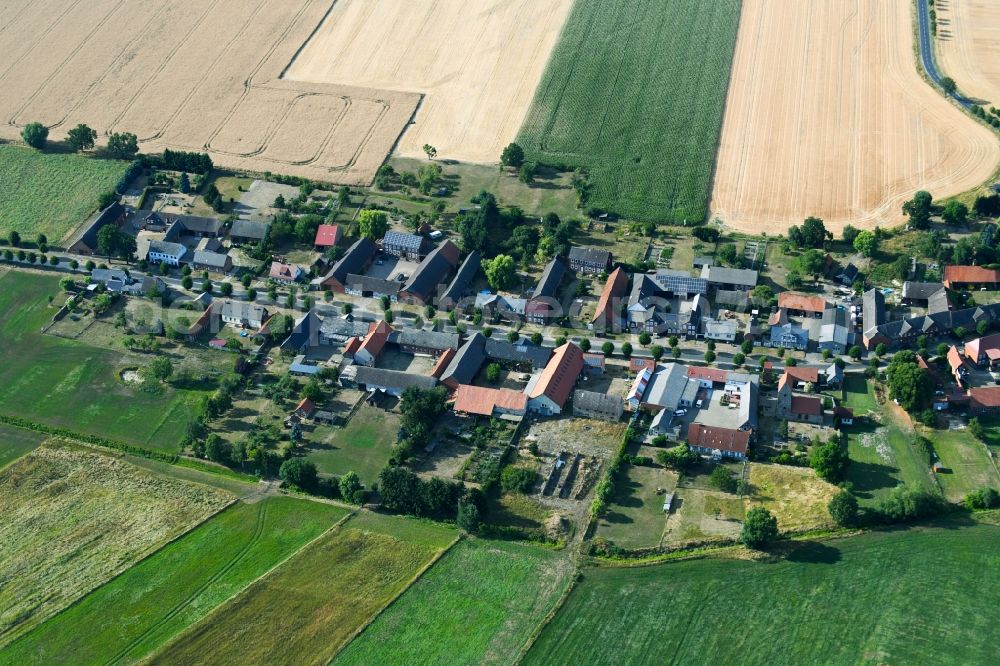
487 597
69 384
74 518
304 610
795 495
635 517
50 193
966 461
634 92
147 605
917 596
363 445
15 442
880 447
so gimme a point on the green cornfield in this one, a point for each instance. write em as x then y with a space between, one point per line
634 93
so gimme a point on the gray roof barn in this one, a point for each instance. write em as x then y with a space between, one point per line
548 284
467 361
249 230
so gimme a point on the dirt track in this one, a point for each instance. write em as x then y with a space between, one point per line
828 116
477 61
193 76
968 47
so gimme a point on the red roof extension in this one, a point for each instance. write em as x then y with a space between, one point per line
724 439
557 379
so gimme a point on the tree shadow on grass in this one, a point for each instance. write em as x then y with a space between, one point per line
815 552
616 518
869 477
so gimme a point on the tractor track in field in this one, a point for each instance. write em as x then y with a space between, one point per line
180 606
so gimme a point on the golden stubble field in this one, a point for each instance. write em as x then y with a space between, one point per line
193 76
968 47
828 116
477 62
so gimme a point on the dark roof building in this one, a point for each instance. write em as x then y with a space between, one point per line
466 363
401 244
542 303
518 353
245 231
417 341
86 240
393 382
372 287
589 260
460 284
355 260
730 278
431 272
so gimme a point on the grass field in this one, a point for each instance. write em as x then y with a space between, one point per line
147 605
74 518
634 92
918 596
966 461
795 495
635 517
68 384
881 451
15 442
50 193
487 597
362 445
304 610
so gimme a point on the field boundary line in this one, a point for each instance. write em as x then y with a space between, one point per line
184 603
256 581
536 634
360 630
119 574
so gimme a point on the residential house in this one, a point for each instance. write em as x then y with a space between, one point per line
971 277
85 242
544 303
459 285
246 232
650 306
243 314
490 402
835 331
368 350
114 279
589 260
500 305
372 287
833 376
958 365
679 283
304 334
304 409
595 405
904 332
708 377
400 244
424 343
789 336
466 363
166 252
730 279
212 261
594 364
606 314
431 272
285 273
720 442
723 330
548 391
668 388
354 262
327 236
873 317
802 305
338 331
391 382
984 351
792 407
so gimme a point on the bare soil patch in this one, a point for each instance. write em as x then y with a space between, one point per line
828 116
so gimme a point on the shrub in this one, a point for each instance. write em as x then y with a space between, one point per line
517 479
760 527
906 502
984 498
843 508
351 488
722 479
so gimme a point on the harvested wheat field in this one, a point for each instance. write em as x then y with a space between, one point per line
476 61
968 47
193 76
828 116
73 518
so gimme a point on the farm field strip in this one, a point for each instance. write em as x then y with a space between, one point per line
69 384
184 76
487 598
145 606
634 93
74 518
476 63
968 47
966 461
828 116
331 587
857 600
15 442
